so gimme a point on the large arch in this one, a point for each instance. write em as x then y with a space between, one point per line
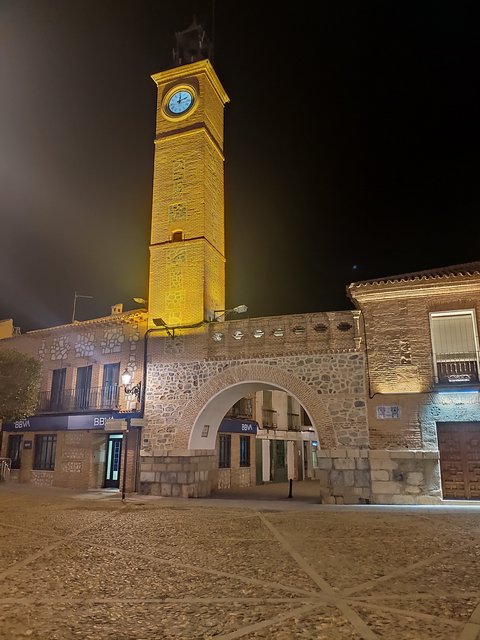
219 393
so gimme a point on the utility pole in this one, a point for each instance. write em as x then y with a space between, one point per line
125 444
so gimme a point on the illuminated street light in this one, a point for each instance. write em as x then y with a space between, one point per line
242 308
133 390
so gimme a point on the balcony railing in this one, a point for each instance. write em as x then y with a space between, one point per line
79 400
269 419
456 368
5 466
241 409
293 421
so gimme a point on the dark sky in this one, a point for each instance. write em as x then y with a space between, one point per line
351 143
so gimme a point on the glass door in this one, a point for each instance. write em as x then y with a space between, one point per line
114 457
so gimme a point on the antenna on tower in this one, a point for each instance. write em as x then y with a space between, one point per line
192 44
212 47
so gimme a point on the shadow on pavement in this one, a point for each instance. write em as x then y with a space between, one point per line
301 491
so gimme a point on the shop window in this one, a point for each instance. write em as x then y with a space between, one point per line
225 442
244 451
45 448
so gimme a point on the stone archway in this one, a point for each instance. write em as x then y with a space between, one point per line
232 384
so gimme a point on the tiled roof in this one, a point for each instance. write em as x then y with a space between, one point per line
467 269
135 315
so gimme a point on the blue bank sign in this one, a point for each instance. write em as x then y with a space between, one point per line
229 425
64 423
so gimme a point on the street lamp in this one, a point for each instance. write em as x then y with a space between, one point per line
242 308
131 390
158 322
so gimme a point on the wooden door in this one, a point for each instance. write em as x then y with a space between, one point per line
459 446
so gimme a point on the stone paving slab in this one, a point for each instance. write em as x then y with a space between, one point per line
455 606
76 566
142 621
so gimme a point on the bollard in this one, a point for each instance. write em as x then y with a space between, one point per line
290 490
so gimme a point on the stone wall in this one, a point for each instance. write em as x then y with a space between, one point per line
178 473
351 476
330 387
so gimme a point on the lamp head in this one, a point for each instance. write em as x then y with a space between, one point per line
126 378
242 308
222 313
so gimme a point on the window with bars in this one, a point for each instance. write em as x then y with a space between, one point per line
244 451
45 448
13 452
225 447
455 346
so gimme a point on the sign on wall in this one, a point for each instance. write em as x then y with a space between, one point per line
229 425
388 412
64 423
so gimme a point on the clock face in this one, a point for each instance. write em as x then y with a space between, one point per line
179 102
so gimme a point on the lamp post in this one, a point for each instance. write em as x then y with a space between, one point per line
241 308
124 479
135 391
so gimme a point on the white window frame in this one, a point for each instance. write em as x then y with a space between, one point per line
453 313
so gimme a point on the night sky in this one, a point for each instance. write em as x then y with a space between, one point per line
351 144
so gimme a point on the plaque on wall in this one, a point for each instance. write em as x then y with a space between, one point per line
388 412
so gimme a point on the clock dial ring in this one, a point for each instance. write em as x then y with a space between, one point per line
179 101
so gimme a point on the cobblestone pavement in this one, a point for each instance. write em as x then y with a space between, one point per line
91 567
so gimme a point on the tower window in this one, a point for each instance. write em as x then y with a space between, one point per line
177 236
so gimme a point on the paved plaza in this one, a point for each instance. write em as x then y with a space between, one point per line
91 567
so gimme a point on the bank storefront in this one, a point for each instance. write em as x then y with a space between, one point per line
235 451
85 451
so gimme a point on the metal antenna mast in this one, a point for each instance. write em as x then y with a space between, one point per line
77 295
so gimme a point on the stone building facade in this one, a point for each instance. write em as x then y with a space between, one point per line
194 379
80 424
421 342
389 427
390 388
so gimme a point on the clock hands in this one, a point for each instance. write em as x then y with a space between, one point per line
179 102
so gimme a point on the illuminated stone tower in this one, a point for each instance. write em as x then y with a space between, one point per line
187 246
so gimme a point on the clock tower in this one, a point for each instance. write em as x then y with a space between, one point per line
187 246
